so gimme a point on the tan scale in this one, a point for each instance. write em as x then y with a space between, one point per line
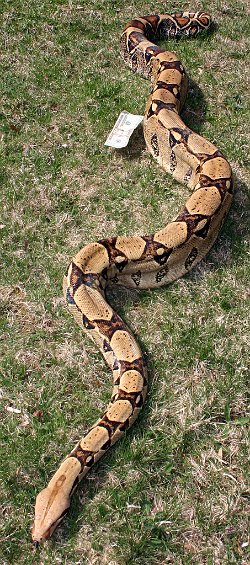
204 201
163 95
92 259
217 168
131 381
125 346
120 411
139 262
172 235
133 247
95 439
91 302
171 76
167 56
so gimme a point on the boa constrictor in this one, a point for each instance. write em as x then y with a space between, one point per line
141 262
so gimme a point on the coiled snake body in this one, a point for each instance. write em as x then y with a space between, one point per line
141 262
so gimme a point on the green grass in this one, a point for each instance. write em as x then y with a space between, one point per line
174 490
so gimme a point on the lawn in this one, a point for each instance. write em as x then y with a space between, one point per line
174 490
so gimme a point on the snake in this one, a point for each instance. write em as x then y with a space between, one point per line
141 262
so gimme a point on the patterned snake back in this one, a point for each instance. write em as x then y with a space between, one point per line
146 261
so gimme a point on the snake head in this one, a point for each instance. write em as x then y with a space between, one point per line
49 511
53 502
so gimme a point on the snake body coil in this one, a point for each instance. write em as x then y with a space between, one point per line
141 262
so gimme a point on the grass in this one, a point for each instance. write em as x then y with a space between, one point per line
175 488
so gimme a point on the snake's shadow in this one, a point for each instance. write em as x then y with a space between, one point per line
195 107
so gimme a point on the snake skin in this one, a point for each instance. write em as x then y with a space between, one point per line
141 262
